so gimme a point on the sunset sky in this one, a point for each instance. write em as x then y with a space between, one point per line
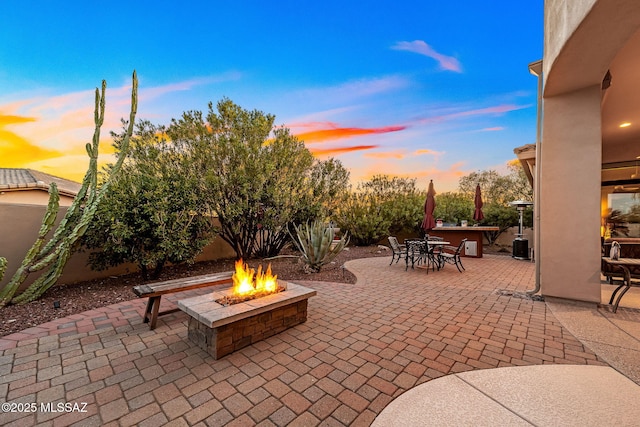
420 89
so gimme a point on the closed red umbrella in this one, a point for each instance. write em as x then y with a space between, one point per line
429 221
477 214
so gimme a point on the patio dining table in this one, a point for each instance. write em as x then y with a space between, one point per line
422 249
623 264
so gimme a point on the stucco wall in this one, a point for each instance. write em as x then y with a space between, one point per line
582 38
570 196
507 237
561 18
19 225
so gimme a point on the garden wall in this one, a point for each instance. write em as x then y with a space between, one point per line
19 226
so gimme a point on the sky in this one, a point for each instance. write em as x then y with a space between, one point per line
417 89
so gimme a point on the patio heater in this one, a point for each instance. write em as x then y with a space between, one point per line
520 244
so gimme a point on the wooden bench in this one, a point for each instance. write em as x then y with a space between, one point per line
155 291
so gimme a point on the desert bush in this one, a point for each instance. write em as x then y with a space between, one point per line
256 179
453 207
153 213
379 207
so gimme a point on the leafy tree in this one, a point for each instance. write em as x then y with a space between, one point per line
152 213
379 207
454 207
257 179
497 191
499 216
496 188
328 186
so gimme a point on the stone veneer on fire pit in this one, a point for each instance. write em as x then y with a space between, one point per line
220 330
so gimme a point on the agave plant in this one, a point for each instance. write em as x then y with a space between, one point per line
315 242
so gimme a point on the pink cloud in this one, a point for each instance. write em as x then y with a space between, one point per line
448 63
445 179
324 131
426 151
386 155
340 150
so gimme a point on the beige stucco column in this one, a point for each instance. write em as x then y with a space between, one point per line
570 196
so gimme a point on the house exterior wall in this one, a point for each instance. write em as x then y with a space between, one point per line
32 196
581 40
561 19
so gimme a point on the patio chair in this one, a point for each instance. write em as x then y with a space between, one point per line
398 251
433 256
451 255
417 252
435 250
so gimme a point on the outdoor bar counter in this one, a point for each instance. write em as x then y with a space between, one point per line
456 234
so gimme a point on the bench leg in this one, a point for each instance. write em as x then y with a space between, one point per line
151 313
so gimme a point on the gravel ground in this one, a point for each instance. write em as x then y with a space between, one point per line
96 293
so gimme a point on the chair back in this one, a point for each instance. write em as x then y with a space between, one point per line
460 246
393 241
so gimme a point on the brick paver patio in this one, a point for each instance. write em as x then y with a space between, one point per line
362 346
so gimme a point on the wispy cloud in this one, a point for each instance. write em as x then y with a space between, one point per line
16 150
155 92
50 132
325 131
6 119
386 155
340 150
442 177
495 110
448 63
426 151
354 90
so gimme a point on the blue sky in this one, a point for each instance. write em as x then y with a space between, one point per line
420 89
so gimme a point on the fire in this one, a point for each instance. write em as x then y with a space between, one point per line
247 282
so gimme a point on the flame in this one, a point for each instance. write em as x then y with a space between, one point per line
247 282
266 281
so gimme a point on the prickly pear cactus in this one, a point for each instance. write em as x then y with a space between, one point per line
49 259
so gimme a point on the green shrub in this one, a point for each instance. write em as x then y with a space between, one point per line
153 213
258 180
454 207
380 207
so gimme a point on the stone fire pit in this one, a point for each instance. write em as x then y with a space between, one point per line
220 330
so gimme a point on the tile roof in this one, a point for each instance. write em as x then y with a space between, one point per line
16 179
